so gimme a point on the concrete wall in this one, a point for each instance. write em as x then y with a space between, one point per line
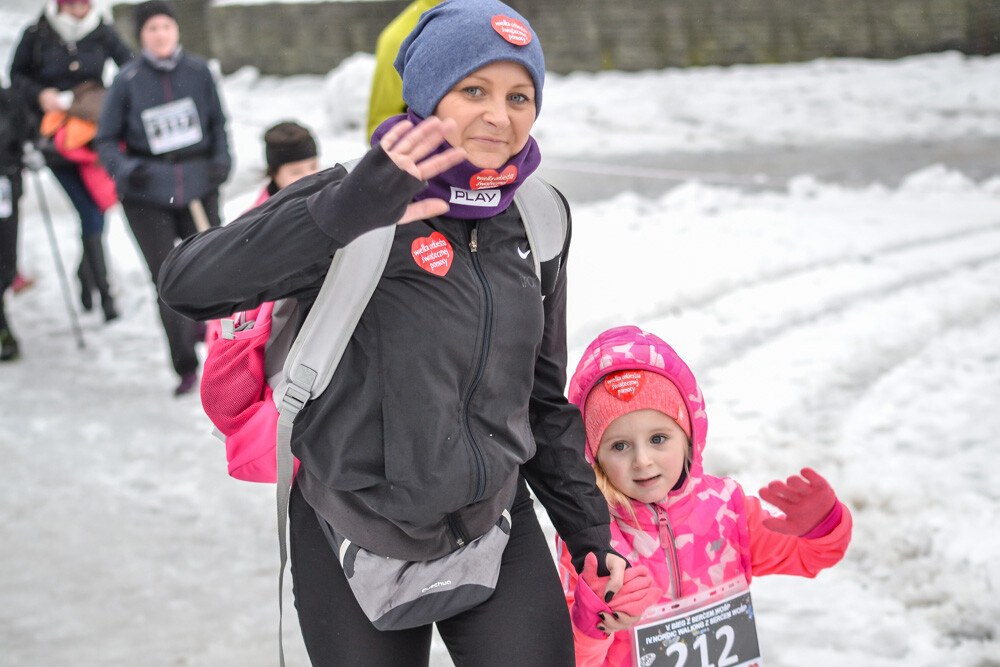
593 35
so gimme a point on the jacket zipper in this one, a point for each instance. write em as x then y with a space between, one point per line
457 529
480 464
168 93
671 551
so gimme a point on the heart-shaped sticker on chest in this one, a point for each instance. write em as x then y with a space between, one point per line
490 178
432 253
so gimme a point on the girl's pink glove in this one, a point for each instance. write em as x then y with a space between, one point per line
588 599
637 593
806 503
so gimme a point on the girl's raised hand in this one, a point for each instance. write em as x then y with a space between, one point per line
409 146
806 501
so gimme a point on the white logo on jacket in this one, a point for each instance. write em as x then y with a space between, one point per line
436 585
474 197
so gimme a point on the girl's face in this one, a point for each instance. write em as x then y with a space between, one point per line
160 35
643 454
493 109
77 10
290 172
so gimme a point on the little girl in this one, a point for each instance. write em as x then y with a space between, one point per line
684 531
291 154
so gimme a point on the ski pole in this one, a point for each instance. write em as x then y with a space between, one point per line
64 280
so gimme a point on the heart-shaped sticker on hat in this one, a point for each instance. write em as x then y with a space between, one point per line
432 253
624 385
491 178
512 30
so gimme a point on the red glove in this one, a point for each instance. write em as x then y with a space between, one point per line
588 599
805 502
637 593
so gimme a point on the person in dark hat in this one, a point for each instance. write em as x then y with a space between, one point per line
291 154
162 137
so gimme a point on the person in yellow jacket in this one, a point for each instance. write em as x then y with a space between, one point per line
387 88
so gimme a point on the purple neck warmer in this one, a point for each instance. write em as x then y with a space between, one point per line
473 192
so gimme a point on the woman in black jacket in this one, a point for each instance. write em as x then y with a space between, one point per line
68 46
449 397
162 137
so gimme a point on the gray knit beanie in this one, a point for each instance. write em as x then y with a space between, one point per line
456 38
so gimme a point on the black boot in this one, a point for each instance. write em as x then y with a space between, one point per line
86 282
93 251
8 346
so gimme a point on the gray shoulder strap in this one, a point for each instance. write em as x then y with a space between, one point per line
546 222
354 273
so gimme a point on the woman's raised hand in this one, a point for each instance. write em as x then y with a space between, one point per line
409 146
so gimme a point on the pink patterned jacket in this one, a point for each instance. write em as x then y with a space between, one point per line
700 535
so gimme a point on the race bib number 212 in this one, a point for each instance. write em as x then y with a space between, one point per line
706 630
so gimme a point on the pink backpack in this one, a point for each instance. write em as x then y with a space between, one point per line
236 394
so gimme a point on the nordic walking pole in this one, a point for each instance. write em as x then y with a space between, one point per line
64 280
197 210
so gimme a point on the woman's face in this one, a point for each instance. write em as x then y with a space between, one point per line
77 9
493 109
160 35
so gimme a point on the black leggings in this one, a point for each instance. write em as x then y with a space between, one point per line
156 231
524 623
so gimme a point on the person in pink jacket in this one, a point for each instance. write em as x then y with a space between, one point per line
683 531
291 153
233 392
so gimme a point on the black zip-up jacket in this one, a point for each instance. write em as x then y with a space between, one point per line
43 59
451 385
176 177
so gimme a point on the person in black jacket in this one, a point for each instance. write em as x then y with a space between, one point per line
69 46
15 129
162 137
449 397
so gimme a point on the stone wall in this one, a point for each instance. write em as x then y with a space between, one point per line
591 35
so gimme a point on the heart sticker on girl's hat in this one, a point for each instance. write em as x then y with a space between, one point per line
432 253
624 385
512 30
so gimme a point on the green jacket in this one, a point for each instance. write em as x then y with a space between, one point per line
387 88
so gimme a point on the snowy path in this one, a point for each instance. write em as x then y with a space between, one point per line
831 321
850 330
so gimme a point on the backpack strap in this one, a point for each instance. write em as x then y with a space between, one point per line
540 205
354 273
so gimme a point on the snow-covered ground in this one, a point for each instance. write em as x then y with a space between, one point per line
854 330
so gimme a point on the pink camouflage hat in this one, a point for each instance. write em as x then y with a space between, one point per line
604 389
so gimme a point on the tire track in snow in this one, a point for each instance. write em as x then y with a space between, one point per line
771 316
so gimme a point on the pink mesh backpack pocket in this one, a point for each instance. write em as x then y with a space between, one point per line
236 397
